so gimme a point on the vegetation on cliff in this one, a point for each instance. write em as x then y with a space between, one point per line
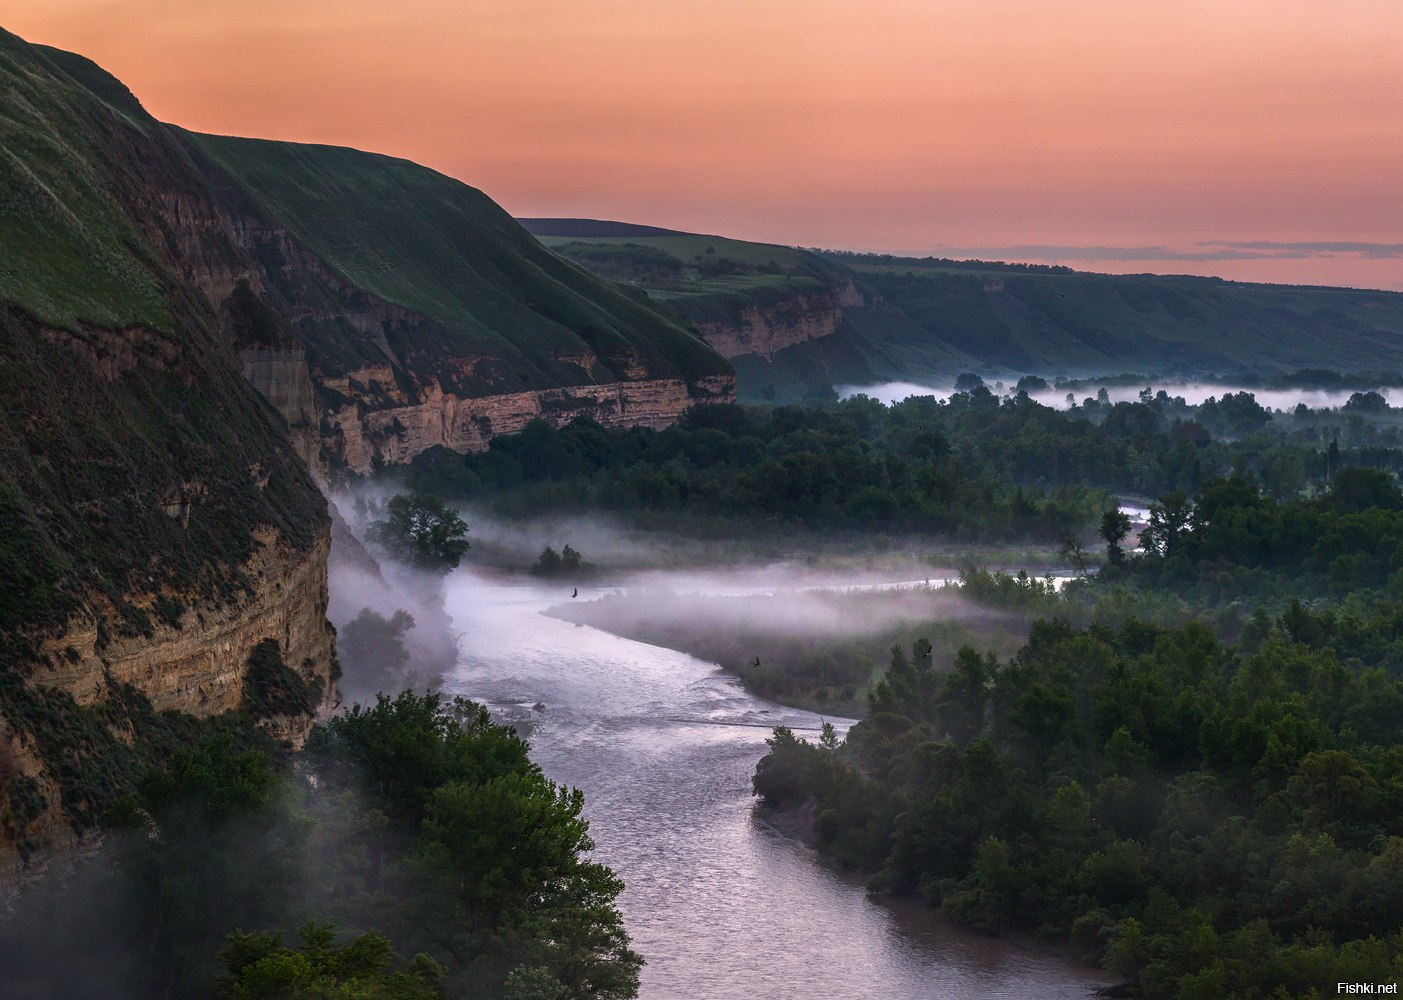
924 319
486 289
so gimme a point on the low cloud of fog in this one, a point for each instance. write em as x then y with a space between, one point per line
361 578
722 604
1193 393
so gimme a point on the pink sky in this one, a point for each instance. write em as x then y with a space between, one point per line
1021 129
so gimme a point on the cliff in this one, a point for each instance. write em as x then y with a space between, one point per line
764 328
155 527
420 313
194 330
788 320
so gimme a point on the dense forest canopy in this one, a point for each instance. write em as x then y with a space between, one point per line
975 466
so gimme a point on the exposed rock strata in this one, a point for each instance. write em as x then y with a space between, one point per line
396 433
765 329
200 667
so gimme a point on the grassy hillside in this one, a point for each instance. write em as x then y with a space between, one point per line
680 266
1060 322
69 254
713 280
927 318
136 402
421 240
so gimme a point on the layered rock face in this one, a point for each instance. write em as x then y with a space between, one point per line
155 525
396 433
199 664
179 322
763 330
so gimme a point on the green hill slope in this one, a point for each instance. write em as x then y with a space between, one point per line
154 523
1059 322
928 319
429 243
788 319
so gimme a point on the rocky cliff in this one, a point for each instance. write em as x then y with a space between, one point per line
181 318
764 328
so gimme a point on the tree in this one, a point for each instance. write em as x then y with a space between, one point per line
1074 552
423 532
371 648
261 967
1171 520
548 563
1115 526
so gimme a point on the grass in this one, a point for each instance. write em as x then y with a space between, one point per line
69 255
430 243
1063 322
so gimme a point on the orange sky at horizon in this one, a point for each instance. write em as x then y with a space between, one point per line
1087 133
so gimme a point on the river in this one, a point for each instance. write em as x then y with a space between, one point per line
663 745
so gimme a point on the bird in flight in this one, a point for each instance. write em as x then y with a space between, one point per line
576 592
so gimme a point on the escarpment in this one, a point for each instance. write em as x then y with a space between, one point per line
193 332
383 308
155 526
765 328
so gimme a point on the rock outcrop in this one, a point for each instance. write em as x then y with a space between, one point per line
765 328
198 663
400 429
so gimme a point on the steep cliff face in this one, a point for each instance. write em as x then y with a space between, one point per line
155 526
423 313
196 660
181 318
763 329
396 433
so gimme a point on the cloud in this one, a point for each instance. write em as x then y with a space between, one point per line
1208 250
1321 248
1053 252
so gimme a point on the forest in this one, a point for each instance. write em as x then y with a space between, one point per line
1206 821
974 467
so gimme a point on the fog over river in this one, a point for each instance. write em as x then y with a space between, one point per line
1193 393
663 746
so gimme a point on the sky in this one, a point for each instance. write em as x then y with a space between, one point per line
1254 139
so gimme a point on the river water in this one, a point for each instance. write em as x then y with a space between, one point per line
663 745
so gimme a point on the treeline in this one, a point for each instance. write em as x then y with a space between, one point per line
413 845
1206 821
1233 542
857 466
975 466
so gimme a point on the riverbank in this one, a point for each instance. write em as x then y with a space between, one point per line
796 824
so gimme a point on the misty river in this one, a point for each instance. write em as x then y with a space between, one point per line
663 745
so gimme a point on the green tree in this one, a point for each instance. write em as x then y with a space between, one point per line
261 967
371 649
1115 526
423 532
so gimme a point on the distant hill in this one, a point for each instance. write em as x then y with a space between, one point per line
577 228
1055 321
792 321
